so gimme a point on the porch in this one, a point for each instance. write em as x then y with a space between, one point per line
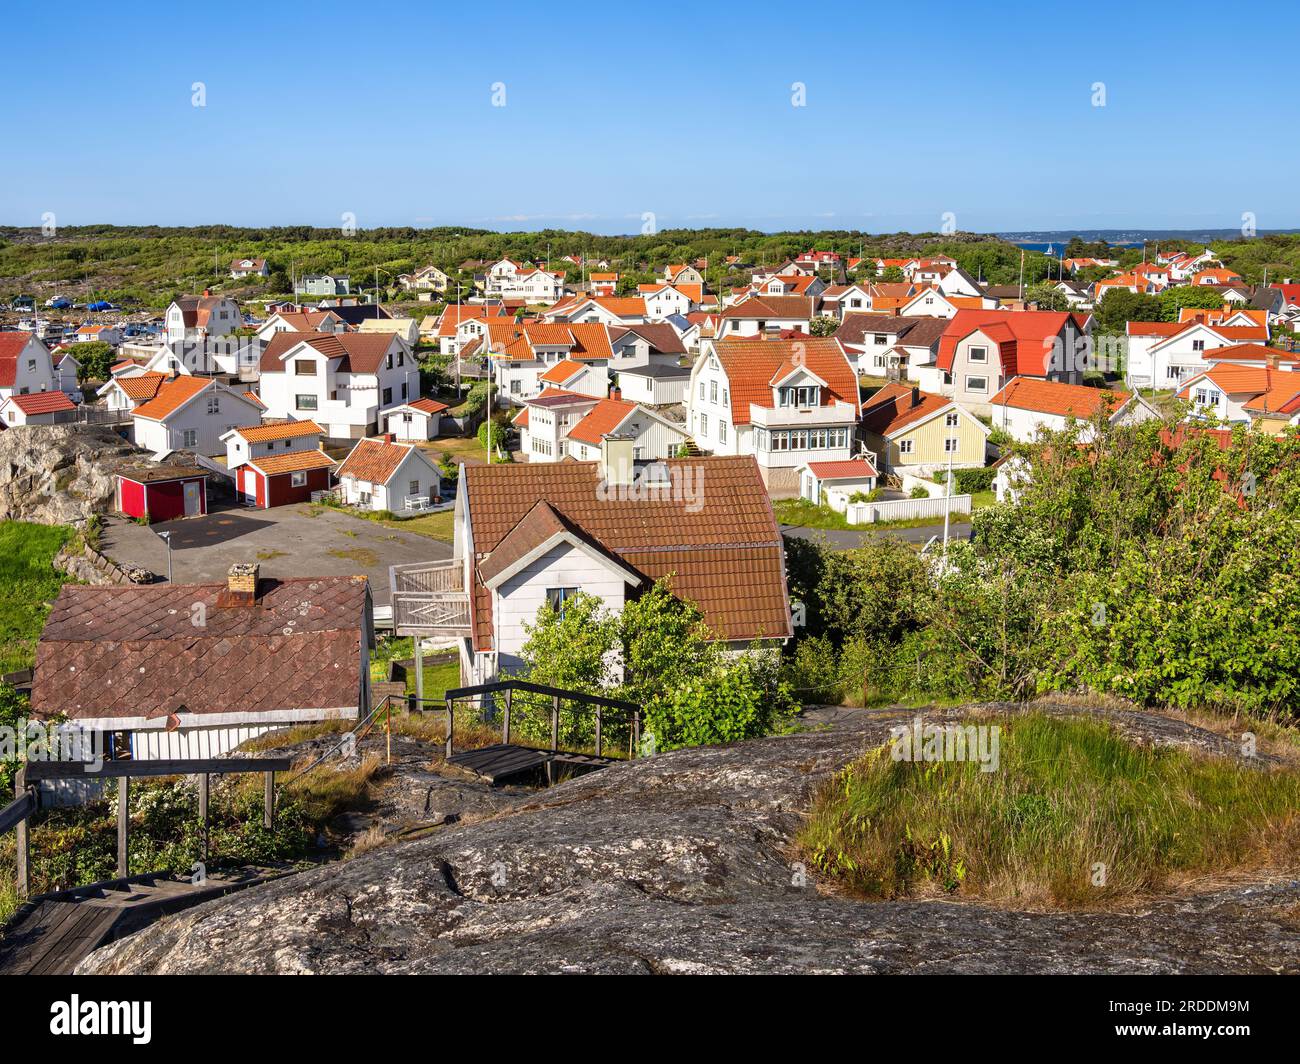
430 599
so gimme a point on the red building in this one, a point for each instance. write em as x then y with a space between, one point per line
162 493
280 479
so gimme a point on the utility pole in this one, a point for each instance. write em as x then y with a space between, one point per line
947 509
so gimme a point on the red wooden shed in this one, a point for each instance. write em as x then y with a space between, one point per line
162 493
279 479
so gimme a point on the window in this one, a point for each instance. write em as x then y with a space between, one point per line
713 391
880 339
304 367
722 432
951 420
305 402
413 488
701 390
977 384
802 396
979 354
1198 345
904 446
214 404
406 419
557 596
190 438
298 479
388 396
704 424
950 445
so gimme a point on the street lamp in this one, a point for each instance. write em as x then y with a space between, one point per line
166 537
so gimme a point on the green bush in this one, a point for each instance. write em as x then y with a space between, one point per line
970 481
920 492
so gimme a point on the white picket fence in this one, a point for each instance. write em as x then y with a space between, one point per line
869 513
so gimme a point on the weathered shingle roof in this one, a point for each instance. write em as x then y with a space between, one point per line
137 652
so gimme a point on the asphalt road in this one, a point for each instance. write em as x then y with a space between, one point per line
286 541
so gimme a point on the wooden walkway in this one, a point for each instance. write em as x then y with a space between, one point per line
53 933
508 762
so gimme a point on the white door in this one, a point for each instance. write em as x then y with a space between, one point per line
192 504
250 487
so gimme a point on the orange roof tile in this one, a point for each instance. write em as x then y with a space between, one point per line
751 364
280 430
291 462
171 396
1052 397
602 419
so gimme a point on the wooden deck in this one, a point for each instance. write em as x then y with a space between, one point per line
53 933
508 762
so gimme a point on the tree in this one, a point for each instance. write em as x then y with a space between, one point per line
1119 306
893 274
1202 297
823 326
1047 297
572 647
94 359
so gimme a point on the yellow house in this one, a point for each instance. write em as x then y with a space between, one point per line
912 431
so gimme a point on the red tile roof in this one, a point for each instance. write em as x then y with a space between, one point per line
1052 397
142 385
133 651
356 352
291 462
375 460
601 419
898 406
172 394
42 402
1025 338
848 470
280 430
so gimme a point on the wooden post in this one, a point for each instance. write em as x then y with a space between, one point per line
555 722
598 747
447 703
23 840
505 724
636 734
388 728
203 811
268 802
123 822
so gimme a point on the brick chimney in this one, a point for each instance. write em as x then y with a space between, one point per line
616 392
207 291
241 584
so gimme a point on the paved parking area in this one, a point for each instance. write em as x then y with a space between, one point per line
285 540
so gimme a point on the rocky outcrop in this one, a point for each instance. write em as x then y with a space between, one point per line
60 474
682 863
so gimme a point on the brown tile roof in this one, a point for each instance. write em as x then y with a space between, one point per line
135 651
427 405
792 307
719 541
171 396
752 363
896 406
375 460
291 462
306 320
661 336
357 352
279 430
912 330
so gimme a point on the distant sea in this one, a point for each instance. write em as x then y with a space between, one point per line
1059 246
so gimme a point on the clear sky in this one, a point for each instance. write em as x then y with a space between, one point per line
612 111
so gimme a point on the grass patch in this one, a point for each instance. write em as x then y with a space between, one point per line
1069 795
360 555
805 514
28 583
440 525
268 555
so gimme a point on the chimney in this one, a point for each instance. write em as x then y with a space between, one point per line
207 291
916 395
616 461
241 584
1274 360
616 392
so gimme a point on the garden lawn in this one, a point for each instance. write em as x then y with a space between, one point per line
28 585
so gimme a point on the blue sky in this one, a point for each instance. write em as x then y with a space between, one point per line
679 110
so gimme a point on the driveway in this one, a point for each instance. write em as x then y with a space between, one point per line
285 541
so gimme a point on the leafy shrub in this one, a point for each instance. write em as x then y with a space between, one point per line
970 481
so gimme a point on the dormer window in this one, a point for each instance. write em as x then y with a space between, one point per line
802 396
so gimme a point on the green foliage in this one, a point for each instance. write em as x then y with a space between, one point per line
1069 793
1047 297
1119 306
28 585
497 429
1202 297
919 492
969 481
94 360
823 326
673 667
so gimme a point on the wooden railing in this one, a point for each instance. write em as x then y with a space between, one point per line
28 801
429 597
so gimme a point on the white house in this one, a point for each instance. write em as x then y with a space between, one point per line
300 321
1027 405
786 402
241 268
655 385
651 435
342 381
761 315
25 365
249 442
521 354
381 474
39 408
1166 354
66 369
192 414
834 483
420 419
585 378
193 319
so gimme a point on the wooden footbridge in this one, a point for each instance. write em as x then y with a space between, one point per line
51 933
570 732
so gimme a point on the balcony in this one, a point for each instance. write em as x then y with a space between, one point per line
430 599
836 413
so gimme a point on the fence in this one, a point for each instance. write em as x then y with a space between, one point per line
867 513
28 798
